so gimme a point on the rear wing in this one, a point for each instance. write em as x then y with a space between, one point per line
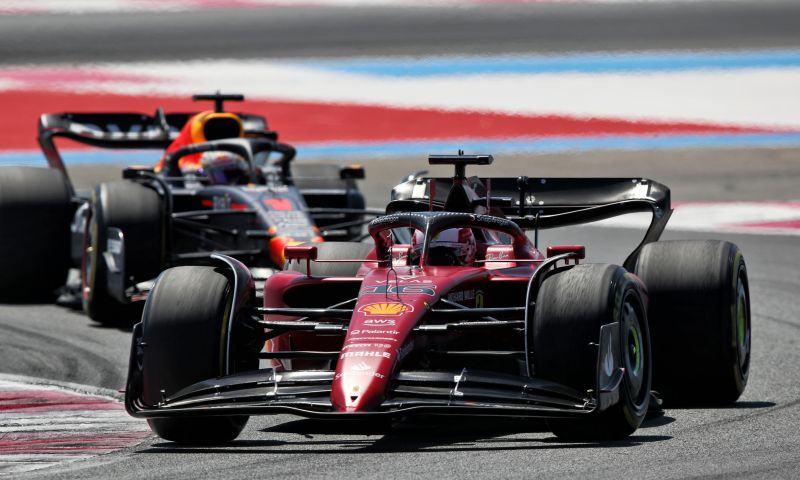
539 203
121 131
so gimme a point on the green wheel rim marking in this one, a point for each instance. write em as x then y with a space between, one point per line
742 322
743 335
636 350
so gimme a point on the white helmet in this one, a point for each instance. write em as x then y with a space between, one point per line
454 246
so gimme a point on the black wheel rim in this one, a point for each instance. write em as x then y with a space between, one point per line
634 354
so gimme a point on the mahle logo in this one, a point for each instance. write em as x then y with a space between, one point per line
385 308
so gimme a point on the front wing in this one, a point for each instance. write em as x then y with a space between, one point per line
468 392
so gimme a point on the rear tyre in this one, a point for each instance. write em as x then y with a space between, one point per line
571 306
334 251
700 318
137 211
35 213
184 327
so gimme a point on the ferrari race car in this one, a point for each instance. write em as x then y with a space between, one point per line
452 310
224 184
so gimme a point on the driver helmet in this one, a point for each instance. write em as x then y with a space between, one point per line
454 246
224 168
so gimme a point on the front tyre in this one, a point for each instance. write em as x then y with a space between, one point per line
571 306
184 330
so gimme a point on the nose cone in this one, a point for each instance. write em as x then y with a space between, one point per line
378 337
375 338
360 382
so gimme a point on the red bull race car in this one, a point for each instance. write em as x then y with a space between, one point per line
452 309
224 184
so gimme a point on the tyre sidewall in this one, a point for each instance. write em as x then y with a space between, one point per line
142 231
569 313
184 330
693 287
35 213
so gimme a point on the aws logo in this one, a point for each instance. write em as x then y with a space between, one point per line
385 308
380 321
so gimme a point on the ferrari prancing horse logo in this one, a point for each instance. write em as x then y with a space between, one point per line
385 308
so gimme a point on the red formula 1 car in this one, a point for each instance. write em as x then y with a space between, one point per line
452 310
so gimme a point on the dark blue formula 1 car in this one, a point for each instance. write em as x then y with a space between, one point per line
223 184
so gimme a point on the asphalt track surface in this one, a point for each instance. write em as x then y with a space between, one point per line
755 438
323 32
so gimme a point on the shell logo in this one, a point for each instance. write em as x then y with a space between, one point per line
386 308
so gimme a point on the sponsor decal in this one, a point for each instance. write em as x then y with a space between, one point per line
381 322
360 367
497 256
222 202
365 354
406 280
366 345
385 308
398 289
464 295
367 331
278 204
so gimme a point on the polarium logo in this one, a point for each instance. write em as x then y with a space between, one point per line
385 308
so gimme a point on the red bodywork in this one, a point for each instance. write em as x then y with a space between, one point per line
391 303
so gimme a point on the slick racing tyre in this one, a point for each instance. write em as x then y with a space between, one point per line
137 211
700 319
334 251
184 328
571 306
35 213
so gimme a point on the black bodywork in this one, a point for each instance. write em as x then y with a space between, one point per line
199 218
